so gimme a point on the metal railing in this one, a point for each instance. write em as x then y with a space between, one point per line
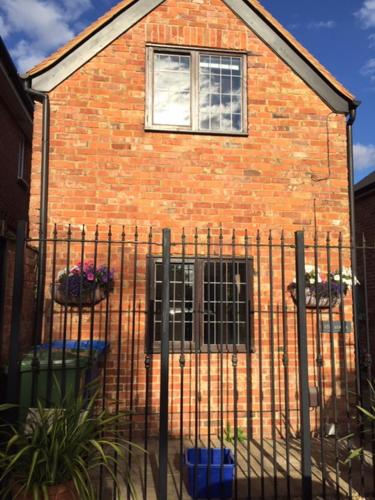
215 341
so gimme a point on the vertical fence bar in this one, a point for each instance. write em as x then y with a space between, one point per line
182 362
197 347
148 356
65 316
119 340
52 316
333 366
132 348
342 355
80 305
319 364
12 387
249 314
303 367
208 326
221 359
272 365
286 366
235 333
164 369
260 364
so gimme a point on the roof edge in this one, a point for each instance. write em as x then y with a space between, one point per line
65 61
302 51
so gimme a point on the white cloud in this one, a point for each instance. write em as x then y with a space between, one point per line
369 69
317 25
26 55
366 14
40 25
294 26
4 29
364 156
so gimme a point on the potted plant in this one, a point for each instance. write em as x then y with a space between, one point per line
323 293
53 455
83 284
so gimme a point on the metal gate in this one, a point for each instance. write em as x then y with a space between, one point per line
216 339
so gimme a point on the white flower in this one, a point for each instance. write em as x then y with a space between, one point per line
61 273
310 269
345 277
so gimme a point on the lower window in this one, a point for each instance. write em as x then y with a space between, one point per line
210 304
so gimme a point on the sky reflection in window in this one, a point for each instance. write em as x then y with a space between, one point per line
172 89
220 93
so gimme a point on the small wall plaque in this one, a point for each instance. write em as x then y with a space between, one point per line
335 327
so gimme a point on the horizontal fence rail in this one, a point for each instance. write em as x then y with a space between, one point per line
199 340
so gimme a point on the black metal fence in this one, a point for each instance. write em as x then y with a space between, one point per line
211 339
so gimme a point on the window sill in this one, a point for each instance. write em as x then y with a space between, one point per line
195 132
190 348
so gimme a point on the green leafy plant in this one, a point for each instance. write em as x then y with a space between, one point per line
63 444
231 434
369 414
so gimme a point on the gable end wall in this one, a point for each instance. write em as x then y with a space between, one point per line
104 168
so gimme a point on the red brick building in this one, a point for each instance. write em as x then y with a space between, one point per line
189 114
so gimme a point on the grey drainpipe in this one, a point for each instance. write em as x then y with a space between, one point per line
43 213
349 129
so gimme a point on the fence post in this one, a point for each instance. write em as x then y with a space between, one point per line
303 368
12 385
164 369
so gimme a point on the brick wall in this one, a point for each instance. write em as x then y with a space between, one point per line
289 173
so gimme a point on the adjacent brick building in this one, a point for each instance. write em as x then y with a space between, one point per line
189 114
364 192
16 126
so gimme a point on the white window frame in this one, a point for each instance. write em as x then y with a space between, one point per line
194 53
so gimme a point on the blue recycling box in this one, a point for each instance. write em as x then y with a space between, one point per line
210 473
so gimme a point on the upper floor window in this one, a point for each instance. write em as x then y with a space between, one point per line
196 90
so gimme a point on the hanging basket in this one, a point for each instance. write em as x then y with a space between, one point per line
314 302
86 299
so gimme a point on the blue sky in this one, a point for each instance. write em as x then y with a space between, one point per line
340 33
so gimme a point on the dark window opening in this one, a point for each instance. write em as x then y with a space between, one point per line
210 304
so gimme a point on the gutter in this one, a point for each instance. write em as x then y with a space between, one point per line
351 116
43 212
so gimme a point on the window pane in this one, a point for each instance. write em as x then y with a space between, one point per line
236 85
225 303
220 87
226 122
225 85
172 90
236 122
181 301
